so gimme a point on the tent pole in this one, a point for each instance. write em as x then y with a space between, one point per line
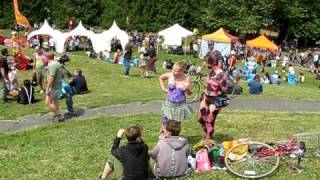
185 46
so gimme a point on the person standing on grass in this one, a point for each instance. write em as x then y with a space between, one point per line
127 57
39 68
4 68
210 105
151 67
55 75
178 85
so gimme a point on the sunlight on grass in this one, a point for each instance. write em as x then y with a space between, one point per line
79 149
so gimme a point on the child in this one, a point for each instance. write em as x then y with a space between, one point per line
171 153
134 156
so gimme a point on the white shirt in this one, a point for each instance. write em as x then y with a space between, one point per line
51 42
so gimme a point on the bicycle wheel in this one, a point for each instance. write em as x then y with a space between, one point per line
196 92
252 160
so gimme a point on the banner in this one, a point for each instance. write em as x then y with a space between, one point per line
21 20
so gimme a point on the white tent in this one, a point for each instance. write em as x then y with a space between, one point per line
174 34
80 31
101 42
115 32
45 29
55 34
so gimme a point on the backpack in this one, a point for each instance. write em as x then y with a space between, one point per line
26 96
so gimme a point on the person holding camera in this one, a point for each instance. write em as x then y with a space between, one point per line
132 159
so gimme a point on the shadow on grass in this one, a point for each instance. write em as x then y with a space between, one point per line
193 139
220 137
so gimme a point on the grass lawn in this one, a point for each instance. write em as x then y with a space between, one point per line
108 86
79 149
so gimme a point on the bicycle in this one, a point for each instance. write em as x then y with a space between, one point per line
198 87
256 160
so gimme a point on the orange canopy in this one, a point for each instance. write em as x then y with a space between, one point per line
220 36
262 42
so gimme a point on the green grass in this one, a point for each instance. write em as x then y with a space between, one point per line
79 149
108 87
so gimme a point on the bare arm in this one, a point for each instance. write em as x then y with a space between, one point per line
189 86
205 64
162 79
3 75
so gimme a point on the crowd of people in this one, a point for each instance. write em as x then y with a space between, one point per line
172 153
49 74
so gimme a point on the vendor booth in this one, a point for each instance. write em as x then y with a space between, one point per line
221 39
174 35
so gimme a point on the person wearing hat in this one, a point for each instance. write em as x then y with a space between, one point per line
127 57
4 69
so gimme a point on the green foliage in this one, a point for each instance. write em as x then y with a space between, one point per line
293 18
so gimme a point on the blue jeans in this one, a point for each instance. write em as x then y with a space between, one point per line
126 63
69 101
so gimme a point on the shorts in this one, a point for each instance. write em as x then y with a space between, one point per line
54 94
41 75
116 166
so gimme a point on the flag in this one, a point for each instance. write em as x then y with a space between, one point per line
20 19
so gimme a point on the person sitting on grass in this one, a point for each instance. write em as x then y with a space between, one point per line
171 153
79 83
116 56
266 78
13 86
275 78
291 76
133 156
255 86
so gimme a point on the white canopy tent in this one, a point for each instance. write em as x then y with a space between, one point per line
101 42
80 30
173 35
46 29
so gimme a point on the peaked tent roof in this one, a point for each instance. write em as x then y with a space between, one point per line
176 28
220 36
262 42
45 29
174 34
80 30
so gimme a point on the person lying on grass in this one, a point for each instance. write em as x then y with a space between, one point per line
171 153
133 157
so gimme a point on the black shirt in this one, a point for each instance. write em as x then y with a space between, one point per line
4 65
134 157
128 48
152 52
80 84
